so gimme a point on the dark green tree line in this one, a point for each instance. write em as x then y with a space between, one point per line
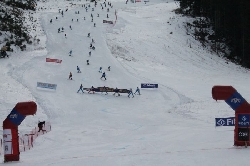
230 22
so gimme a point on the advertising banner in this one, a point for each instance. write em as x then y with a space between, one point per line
7 141
46 85
225 121
109 22
146 85
53 60
244 120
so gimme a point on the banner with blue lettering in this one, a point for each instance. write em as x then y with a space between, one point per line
145 85
225 121
46 85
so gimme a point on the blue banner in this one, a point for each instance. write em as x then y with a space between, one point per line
235 100
149 85
244 120
225 121
15 117
46 85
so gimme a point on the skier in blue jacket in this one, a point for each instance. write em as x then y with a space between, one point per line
138 91
130 92
81 88
78 69
103 75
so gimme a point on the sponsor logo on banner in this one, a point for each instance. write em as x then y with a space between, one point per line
53 60
244 120
149 85
225 121
46 85
109 22
15 117
235 100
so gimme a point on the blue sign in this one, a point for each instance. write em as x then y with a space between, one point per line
235 100
225 121
46 85
149 85
15 117
244 120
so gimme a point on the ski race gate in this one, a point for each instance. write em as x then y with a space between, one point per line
13 143
242 112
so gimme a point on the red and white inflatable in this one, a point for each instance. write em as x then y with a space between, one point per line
10 129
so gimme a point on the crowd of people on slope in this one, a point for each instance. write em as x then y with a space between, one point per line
92 47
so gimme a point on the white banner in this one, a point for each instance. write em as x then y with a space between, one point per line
7 136
7 141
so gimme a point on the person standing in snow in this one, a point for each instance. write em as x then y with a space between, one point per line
81 88
105 90
89 53
100 70
103 75
78 69
130 92
70 76
87 62
92 89
138 91
116 91
109 68
70 52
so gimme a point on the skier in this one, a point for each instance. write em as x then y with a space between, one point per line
87 62
103 76
70 27
93 47
105 90
83 18
40 126
109 68
92 89
100 70
130 92
94 24
107 16
50 20
116 91
138 91
80 89
70 76
88 34
89 53
78 69
70 52
90 45
92 41
58 30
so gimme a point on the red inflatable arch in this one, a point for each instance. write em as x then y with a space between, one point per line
10 129
242 112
